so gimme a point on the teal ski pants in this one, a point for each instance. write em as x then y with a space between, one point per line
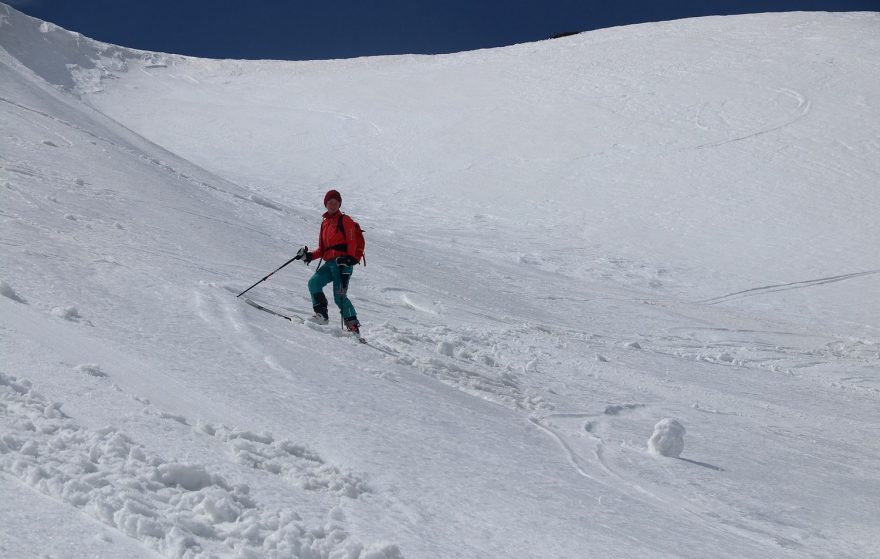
339 275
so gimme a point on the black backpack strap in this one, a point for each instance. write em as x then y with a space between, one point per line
341 228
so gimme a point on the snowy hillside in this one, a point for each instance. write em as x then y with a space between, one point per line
621 298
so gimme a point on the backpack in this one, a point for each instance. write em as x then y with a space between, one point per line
358 236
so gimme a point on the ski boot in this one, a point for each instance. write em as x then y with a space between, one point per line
353 325
320 316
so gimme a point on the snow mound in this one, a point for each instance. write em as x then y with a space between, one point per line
668 438
7 291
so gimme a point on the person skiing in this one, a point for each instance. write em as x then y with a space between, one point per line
337 243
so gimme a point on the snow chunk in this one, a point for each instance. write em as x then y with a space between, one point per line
67 313
92 369
615 409
446 348
7 291
265 202
191 477
173 417
668 438
382 551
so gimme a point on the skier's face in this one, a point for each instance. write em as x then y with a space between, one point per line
332 205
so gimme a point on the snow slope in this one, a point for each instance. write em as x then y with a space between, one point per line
568 242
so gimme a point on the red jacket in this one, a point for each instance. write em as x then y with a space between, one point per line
331 239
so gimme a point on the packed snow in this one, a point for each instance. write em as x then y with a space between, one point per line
667 438
579 252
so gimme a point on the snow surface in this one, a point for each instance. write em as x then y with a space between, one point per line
568 242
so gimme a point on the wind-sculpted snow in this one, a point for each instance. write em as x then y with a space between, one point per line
62 58
179 509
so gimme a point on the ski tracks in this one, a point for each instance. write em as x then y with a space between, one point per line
763 290
261 451
801 109
478 362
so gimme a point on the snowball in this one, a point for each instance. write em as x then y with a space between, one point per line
668 438
446 348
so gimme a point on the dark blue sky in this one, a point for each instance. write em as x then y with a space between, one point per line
316 29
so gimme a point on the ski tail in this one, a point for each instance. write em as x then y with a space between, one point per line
256 305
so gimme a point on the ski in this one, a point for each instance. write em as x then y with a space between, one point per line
382 349
359 338
256 305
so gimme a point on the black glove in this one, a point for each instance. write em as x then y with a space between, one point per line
303 254
347 260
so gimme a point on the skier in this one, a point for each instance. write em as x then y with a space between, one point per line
337 243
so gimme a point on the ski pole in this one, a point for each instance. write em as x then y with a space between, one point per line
300 253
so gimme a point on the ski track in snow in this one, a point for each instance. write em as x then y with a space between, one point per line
755 291
801 110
